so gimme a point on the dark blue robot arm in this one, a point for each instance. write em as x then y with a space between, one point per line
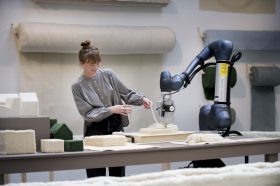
220 49
216 116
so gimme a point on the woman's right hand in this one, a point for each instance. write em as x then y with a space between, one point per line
121 109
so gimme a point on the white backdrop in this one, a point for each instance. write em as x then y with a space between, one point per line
51 76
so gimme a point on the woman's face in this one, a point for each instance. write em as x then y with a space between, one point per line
90 69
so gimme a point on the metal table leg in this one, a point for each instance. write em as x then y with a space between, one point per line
271 157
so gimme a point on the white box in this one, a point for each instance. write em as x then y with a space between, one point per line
17 142
9 105
19 105
52 145
29 105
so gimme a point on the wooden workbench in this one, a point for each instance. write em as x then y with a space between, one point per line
165 152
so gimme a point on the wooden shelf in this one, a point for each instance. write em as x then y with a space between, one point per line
147 3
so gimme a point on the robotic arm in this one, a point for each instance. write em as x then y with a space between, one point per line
216 116
221 50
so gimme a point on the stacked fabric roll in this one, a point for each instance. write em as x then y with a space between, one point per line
111 40
263 80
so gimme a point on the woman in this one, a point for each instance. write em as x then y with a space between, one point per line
99 97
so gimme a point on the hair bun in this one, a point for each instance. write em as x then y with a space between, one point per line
86 44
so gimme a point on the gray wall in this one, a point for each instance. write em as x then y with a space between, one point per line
184 17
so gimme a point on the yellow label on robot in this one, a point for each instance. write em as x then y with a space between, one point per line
223 70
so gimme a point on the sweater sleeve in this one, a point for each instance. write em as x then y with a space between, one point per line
89 112
127 95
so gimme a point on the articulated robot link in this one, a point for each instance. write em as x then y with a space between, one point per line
220 49
218 115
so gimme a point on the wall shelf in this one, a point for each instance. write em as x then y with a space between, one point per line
246 40
147 3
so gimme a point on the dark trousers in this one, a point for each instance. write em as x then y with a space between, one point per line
104 127
113 171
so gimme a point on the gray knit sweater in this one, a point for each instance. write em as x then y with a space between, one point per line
94 95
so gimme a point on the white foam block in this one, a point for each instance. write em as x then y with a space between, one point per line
9 105
29 105
52 145
105 140
17 141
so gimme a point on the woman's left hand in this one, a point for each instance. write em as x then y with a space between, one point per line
147 103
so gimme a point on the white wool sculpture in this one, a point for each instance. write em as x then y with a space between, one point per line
204 138
255 174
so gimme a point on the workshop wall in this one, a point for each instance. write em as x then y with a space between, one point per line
183 17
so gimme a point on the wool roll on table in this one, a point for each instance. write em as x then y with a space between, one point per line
253 174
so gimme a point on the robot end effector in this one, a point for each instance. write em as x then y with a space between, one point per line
216 116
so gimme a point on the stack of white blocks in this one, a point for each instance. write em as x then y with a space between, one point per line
17 142
19 105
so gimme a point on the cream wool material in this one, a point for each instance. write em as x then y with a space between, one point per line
158 128
204 138
255 174
105 140
111 40
52 145
17 142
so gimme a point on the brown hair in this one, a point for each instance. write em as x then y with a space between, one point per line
88 53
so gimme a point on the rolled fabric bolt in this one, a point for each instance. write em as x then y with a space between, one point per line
111 40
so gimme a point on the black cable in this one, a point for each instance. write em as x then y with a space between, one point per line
233 59
200 68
